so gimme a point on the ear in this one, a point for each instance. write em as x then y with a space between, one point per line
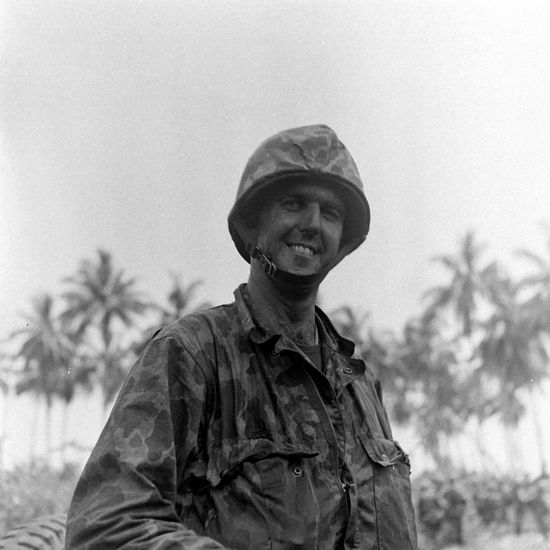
247 230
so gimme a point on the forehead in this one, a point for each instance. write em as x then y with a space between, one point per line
317 192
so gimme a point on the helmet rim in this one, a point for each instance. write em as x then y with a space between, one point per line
356 220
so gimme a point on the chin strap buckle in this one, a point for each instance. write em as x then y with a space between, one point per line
269 267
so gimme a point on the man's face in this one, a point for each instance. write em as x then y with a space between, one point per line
300 228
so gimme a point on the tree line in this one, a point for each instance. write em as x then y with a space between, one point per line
477 350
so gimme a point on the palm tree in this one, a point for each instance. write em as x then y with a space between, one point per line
102 298
433 398
463 302
180 301
6 373
377 349
467 285
78 376
47 352
417 376
513 352
537 286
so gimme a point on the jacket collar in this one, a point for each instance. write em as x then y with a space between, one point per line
262 334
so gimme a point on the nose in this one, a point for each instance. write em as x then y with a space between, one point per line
311 221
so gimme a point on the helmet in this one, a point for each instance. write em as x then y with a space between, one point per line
309 153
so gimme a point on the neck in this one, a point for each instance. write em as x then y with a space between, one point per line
291 310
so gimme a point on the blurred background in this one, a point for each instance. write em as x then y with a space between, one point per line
124 128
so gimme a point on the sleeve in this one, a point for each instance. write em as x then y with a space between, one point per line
125 497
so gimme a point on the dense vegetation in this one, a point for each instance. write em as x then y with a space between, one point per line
33 490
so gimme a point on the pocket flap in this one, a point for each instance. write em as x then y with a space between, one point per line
384 452
230 454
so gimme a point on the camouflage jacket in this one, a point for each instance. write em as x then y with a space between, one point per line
226 436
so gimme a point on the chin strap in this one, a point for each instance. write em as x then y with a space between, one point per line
268 266
272 270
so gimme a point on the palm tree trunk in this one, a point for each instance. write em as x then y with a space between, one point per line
107 336
4 428
457 451
64 426
47 432
34 431
444 450
539 437
514 459
480 446
481 454
486 461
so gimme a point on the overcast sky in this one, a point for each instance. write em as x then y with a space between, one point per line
126 125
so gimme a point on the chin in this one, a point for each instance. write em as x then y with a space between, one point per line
301 269
298 265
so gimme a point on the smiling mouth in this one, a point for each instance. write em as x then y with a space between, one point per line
302 249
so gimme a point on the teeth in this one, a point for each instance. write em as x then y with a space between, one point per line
302 249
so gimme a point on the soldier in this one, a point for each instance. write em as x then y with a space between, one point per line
430 513
250 425
539 506
522 497
531 498
455 506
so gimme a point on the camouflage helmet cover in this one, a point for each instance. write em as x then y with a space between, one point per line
310 153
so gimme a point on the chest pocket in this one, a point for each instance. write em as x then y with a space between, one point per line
392 493
261 495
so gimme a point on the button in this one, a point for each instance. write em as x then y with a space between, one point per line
346 486
297 471
348 370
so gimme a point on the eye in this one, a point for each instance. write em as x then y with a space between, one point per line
292 203
332 214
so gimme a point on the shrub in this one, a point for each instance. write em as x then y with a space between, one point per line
34 490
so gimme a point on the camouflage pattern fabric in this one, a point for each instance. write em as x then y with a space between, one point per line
226 436
313 152
308 149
